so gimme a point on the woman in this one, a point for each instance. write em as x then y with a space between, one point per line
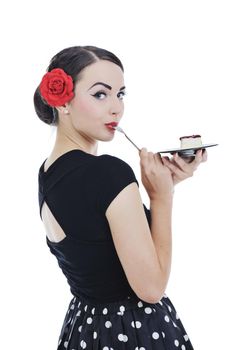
114 252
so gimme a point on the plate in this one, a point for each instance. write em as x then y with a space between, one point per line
187 152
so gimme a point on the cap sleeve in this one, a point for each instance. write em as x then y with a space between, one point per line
115 175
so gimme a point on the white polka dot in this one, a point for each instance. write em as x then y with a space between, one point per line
163 334
167 319
105 348
141 348
78 313
122 308
160 302
59 342
94 335
120 337
79 328
93 311
176 342
66 344
89 320
108 324
155 335
120 313
183 347
72 307
174 324
186 338
169 308
105 311
83 344
85 308
140 304
79 303
123 337
136 324
148 310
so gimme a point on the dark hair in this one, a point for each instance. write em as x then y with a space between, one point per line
72 60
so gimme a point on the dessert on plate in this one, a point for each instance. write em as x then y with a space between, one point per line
190 141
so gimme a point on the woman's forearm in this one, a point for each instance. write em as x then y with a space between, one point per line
161 232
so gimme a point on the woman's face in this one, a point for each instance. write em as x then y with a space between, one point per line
98 100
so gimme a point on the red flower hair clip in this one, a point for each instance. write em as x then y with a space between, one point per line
56 87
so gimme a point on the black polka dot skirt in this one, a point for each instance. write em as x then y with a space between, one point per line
131 324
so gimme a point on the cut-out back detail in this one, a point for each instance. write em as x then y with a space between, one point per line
53 230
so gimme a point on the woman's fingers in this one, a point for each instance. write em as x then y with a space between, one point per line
204 155
149 156
180 163
156 177
180 168
157 157
183 165
200 157
144 158
175 169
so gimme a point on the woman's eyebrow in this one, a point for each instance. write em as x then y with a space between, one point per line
106 85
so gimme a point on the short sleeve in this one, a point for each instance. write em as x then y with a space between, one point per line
115 175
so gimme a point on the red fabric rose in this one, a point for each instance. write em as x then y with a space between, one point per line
56 87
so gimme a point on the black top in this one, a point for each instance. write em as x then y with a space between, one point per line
78 188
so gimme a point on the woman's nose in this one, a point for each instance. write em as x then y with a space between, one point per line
116 107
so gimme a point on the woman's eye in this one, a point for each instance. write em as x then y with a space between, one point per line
121 94
99 95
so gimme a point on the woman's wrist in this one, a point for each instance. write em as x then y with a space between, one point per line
168 196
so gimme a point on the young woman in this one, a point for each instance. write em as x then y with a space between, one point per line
114 252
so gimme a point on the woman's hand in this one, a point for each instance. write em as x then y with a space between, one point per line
182 168
156 177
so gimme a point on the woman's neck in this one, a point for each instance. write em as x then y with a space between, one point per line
65 142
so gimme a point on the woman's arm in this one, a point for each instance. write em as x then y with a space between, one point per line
161 233
144 252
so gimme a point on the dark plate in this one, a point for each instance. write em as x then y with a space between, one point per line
188 151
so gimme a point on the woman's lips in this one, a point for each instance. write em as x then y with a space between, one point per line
112 123
110 127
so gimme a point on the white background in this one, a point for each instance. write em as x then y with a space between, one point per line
179 76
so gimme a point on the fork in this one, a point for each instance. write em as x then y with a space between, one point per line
122 131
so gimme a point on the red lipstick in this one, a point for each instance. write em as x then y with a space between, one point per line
111 124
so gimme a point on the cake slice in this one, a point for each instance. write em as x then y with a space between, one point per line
190 141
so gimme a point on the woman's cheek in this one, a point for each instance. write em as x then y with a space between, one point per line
86 106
